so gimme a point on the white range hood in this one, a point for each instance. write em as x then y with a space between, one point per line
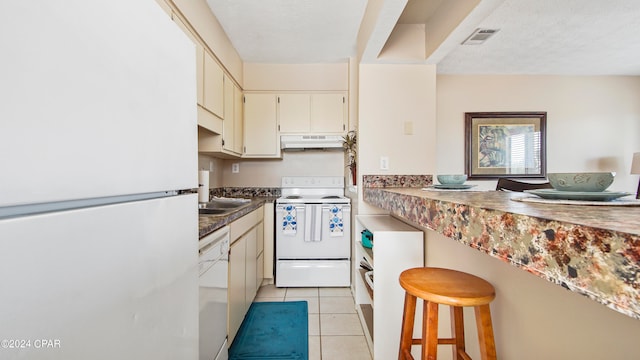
301 142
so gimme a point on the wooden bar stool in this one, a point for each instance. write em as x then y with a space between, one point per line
449 287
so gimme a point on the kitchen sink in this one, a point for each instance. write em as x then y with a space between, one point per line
207 211
227 203
220 206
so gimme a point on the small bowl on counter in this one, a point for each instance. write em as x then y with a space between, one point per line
581 181
457 179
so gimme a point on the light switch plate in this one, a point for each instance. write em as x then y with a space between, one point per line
408 127
384 163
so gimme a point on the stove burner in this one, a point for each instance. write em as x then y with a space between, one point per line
293 197
331 197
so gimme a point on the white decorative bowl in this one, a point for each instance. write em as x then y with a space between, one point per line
581 182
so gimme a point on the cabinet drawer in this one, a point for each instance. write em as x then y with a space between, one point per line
245 223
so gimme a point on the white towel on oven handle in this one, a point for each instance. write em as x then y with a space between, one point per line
336 222
289 220
313 223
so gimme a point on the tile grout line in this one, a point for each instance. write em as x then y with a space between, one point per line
319 324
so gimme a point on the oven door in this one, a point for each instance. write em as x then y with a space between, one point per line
322 231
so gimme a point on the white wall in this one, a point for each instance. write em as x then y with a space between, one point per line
390 96
296 77
214 166
268 173
593 123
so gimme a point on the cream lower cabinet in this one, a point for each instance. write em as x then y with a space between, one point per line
251 274
236 292
269 242
379 302
259 257
244 275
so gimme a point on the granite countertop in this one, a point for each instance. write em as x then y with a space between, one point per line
210 223
591 250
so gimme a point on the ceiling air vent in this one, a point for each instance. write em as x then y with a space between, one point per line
479 36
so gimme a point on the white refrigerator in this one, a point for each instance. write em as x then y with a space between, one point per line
98 143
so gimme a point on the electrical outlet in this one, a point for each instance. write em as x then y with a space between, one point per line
235 168
384 163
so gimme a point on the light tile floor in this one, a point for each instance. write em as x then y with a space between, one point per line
335 331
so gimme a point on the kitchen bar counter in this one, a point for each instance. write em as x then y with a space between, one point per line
591 250
210 223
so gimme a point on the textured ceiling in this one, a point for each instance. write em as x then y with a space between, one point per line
575 37
291 31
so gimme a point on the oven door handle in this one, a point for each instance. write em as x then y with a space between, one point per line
297 206
341 206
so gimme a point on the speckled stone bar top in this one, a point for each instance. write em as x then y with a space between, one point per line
591 250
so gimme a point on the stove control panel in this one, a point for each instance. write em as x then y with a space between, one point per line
313 182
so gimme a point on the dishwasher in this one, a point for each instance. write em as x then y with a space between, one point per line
213 264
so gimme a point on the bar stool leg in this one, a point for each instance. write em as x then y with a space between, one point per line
457 332
430 331
485 332
406 335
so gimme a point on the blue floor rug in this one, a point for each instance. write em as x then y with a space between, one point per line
273 331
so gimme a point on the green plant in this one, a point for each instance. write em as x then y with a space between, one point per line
350 142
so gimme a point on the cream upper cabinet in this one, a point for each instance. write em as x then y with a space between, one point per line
238 120
312 113
328 113
233 127
294 112
213 86
200 74
228 125
222 138
210 91
261 137
206 118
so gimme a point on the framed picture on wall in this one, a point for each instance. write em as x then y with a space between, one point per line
505 144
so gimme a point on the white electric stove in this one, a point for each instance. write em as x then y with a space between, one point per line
313 233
